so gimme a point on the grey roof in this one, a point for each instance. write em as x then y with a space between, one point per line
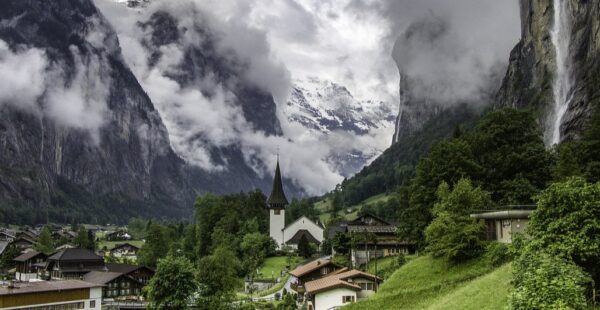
3 245
121 268
75 254
505 214
101 277
46 286
387 229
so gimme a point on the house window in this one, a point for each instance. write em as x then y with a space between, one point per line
346 299
92 304
276 211
324 270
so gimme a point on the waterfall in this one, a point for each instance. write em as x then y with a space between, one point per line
561 37
400 110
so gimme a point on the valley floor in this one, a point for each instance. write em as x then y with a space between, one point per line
428 283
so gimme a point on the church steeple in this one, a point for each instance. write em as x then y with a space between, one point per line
277 200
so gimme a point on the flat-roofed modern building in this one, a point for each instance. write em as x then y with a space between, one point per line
51 295
502 225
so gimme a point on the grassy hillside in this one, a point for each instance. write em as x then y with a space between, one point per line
428 283
324 206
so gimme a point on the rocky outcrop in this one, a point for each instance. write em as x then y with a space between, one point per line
532 69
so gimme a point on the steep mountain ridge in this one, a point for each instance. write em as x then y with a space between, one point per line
56 168
326 109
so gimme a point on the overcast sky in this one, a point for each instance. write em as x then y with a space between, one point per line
349 42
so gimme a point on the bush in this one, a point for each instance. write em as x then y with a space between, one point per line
497 254
544 281
342 260
277 296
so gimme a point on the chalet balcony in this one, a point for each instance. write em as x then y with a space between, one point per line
299 288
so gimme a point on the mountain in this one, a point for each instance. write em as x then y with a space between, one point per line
555 67
325 108
83 140
90 146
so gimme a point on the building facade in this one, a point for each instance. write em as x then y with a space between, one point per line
503 225
51 295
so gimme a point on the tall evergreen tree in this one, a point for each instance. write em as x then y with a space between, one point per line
44 242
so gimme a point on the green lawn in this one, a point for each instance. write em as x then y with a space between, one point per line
487 292
111 244
274 265
424 281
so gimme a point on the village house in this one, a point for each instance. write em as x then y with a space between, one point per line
23 243
68 294
115 285
289 235
375 238
73 264
6 236
502 225
143 274
125 250
119 235
30 265
314 270
339 288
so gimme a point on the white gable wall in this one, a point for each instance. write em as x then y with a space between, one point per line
332 298
303 223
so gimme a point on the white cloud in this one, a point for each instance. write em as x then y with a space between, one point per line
22 76
346 41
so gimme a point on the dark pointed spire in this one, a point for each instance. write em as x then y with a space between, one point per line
277 199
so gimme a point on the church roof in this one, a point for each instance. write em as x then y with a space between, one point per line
277 199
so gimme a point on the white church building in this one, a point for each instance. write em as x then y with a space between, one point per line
294 232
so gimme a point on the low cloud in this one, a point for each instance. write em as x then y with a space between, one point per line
272 42
23 77
32 84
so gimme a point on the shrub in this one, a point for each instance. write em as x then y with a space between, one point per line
497 254
544 281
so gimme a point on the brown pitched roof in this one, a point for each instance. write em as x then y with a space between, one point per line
46 286
337 280
312 266
27 256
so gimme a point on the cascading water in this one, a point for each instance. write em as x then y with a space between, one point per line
561 37
400 111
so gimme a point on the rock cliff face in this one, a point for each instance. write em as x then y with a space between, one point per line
532 72
52 166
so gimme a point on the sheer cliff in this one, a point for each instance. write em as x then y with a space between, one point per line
538 61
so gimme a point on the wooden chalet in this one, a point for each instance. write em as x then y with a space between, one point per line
116 285
125 250
30 265
73 264
143 274
314 270
375 238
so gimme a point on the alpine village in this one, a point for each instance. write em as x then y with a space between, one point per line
299 154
